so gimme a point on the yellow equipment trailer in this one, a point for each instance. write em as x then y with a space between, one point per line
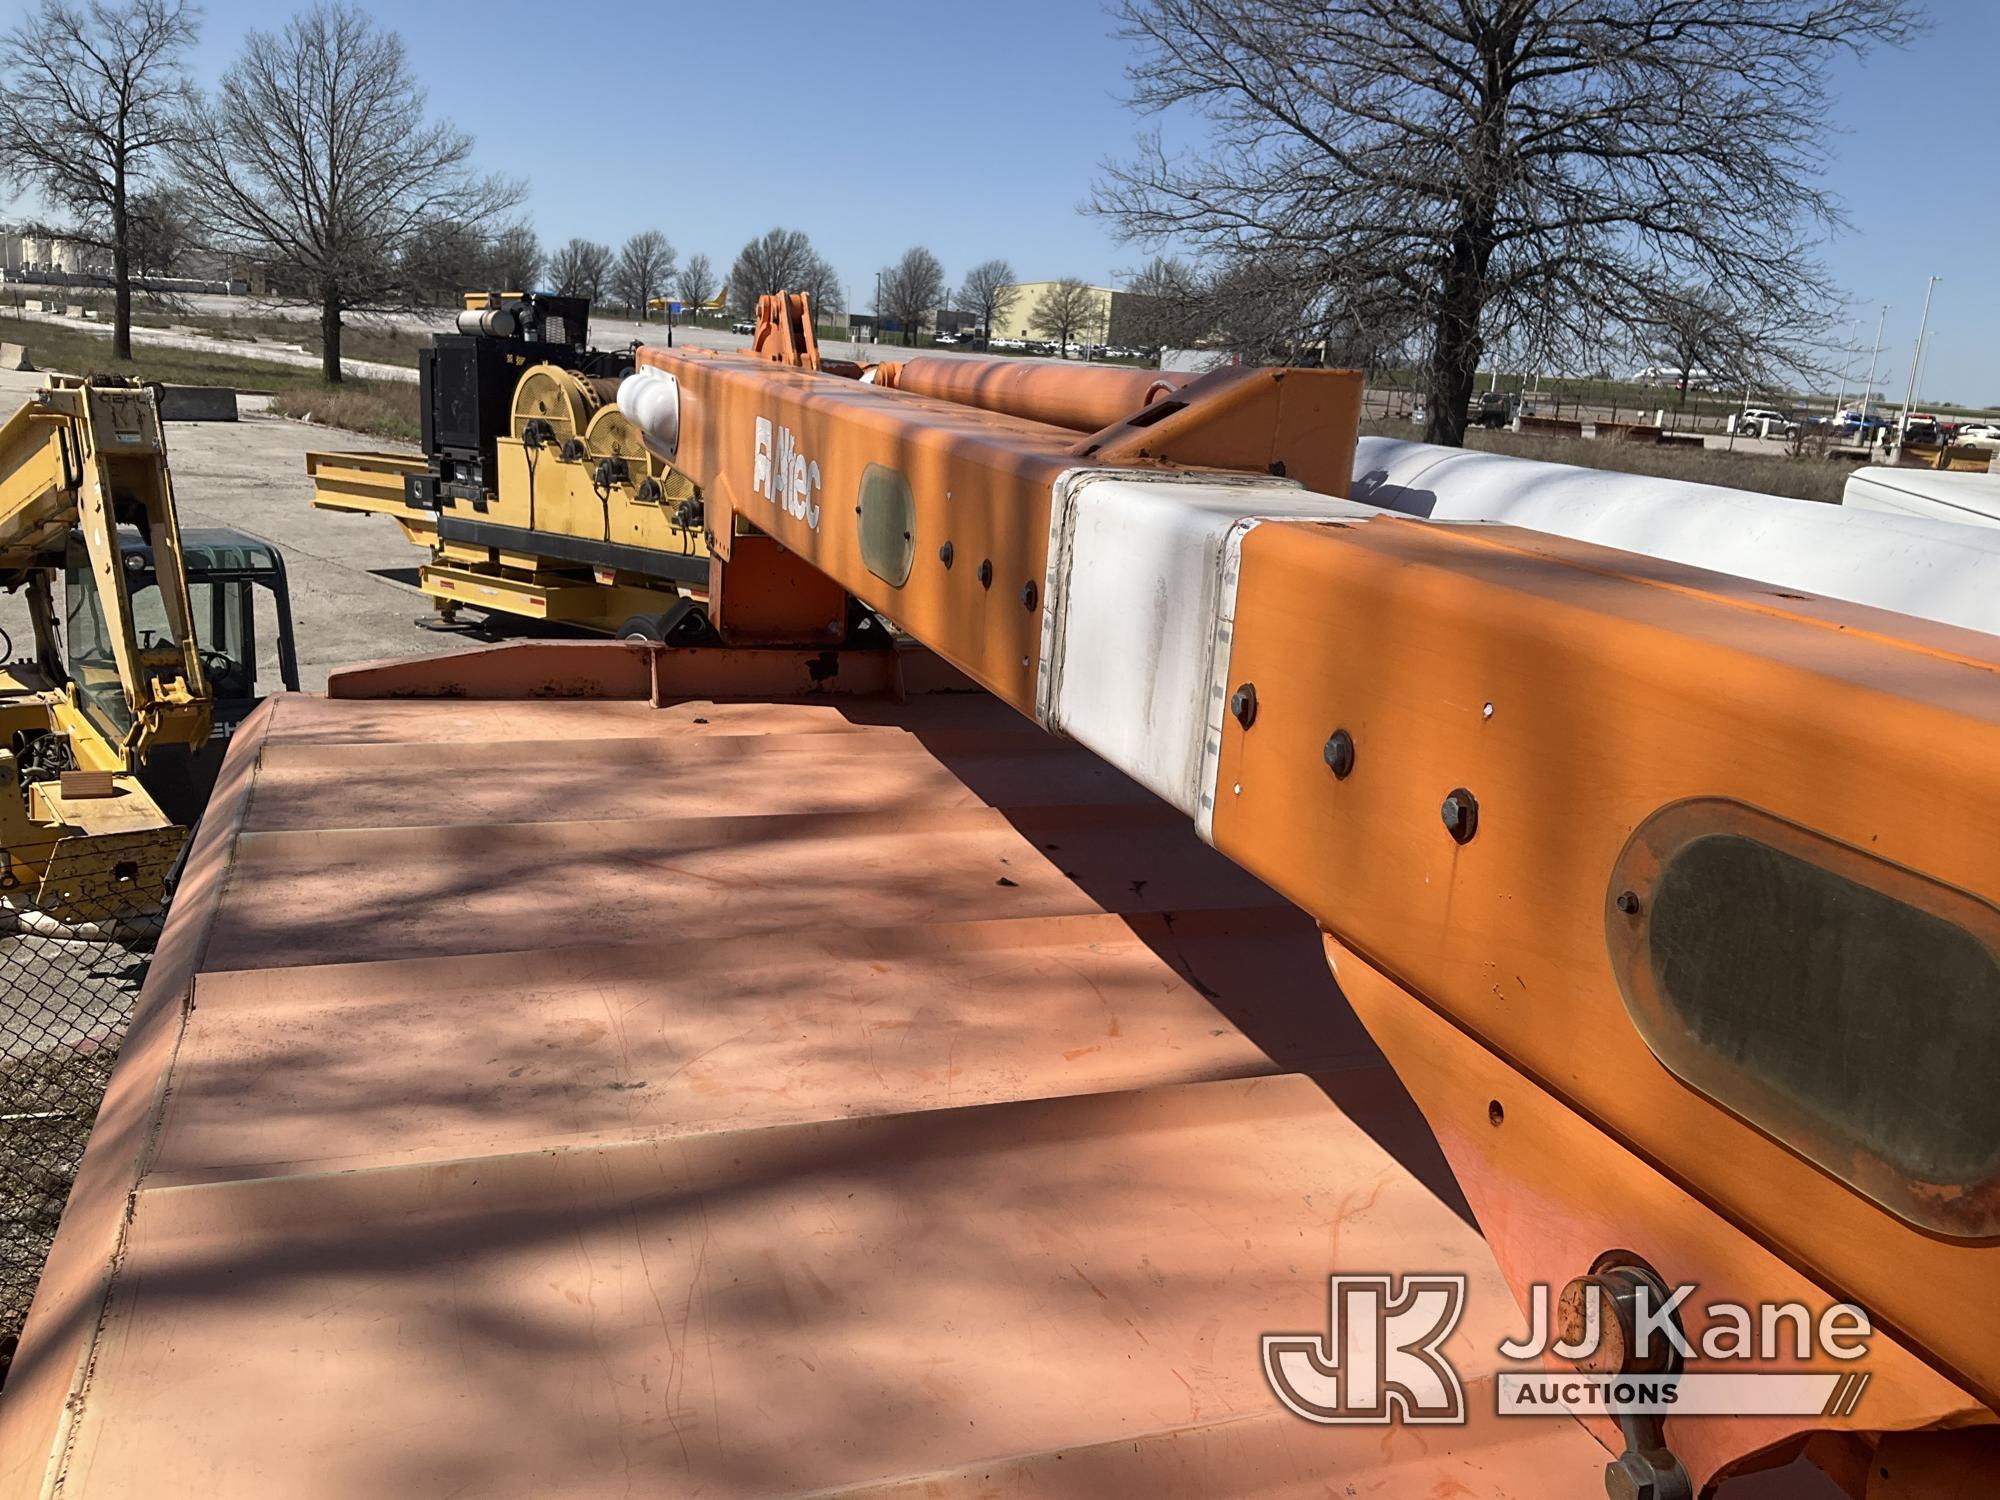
533 495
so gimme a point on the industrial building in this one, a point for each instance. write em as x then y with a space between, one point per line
26 252
1021 319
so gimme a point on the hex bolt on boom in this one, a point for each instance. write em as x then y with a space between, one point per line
1648 1468
1339 754
1243 704
1460 813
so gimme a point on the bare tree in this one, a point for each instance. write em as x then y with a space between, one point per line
697 282
782 260
911 289
990 290
515 259
822 284
1068 310
92 97
446 259
159 232
1504 163
314 163
580 269
1706 338
1171 306
644 268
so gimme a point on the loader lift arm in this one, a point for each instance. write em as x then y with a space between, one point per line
90 457
83 463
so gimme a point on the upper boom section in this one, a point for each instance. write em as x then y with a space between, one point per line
1686 851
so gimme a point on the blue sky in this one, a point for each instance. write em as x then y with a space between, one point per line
976 128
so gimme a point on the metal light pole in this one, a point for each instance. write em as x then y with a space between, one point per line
878 307
1868 388
1851 348
1910 390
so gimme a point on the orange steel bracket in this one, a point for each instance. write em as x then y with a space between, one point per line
1295 424
785 333
1283 422
1550 1190
766 594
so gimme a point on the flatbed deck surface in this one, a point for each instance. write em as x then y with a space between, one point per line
829 1095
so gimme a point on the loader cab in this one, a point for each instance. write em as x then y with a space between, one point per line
241 601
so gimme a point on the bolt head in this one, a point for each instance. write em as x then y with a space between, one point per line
1628 902
1460 813
1339 753
1243 704
1631 1476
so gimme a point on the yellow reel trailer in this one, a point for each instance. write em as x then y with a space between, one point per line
534 495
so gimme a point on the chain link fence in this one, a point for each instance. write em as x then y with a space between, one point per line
78 920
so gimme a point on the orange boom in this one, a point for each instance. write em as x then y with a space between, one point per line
1630 869
949 1060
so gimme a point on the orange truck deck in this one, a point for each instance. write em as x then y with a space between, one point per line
831 1093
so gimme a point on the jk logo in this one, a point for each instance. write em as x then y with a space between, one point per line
1379 1359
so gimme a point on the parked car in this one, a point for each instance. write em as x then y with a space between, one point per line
1765 422
1009 344
1922 427
1496 408
945 338
743 328
1979 435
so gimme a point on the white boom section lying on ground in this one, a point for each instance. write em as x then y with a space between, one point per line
1932 569
1939 495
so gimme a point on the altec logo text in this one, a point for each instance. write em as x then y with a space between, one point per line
1382 1357
784 475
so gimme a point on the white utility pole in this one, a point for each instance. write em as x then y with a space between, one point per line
1910 390
1851 348
1868 389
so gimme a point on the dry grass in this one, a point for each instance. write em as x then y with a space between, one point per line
363 337
385 409
53 347
1806 478
388 410
360 338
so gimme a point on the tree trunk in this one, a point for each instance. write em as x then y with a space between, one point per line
1454 367
329 336
121 273
121 300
